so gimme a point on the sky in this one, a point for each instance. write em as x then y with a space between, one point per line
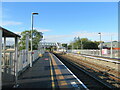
61 0
62 21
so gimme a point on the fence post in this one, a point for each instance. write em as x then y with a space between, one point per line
111 48
0 59
4 48
27 47
16 62
10 62
31 59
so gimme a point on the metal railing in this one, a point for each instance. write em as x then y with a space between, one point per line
24 57
94 52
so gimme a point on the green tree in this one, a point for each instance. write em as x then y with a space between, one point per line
64 45
84 43
90 45
70 46
37 36
97 42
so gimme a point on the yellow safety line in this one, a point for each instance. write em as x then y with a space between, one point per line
58 72
52 77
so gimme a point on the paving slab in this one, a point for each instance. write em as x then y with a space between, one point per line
37 76
48 72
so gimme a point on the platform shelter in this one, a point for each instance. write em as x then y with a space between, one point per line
8 68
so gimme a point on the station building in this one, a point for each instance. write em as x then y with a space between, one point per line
115 45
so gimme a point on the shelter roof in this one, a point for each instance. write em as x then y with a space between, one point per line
7 33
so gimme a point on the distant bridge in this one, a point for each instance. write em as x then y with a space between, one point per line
50 44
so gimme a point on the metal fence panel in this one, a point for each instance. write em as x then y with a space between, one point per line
105 52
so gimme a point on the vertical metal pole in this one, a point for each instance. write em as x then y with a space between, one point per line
67 48
27 46
16 62
31 40
101 45
0 59
44 45
4 51
111 47
40 49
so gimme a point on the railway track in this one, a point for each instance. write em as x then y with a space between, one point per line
86 75
108 69
107 59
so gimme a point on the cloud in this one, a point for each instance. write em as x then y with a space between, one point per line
39 30
59 36
94 34
42 30
8 23
84 34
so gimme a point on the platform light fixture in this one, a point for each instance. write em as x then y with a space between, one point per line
32 18
100 44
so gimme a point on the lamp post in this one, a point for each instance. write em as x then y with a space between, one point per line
32 18
100 45
111 47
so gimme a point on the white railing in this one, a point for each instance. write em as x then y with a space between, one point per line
24 57
105 52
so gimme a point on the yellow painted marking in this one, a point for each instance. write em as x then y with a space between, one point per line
60 78
52 77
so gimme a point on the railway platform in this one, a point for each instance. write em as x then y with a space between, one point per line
50 73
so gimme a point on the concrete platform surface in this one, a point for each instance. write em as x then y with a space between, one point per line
49 72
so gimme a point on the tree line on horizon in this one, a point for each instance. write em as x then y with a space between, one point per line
77 43
82 43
